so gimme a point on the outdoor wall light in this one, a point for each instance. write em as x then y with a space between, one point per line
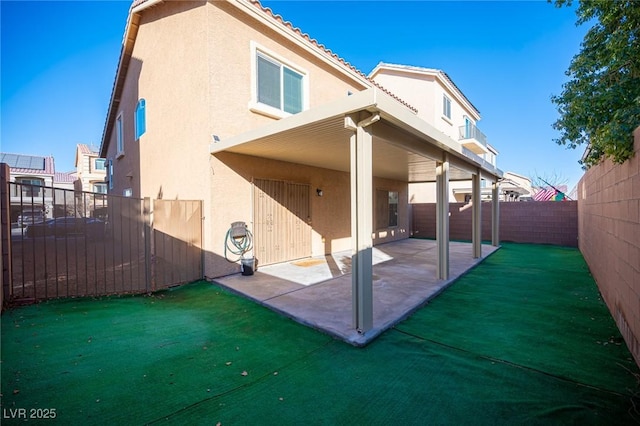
215 138
319 192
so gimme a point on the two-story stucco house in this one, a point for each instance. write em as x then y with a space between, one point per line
442 104
91 170
225 102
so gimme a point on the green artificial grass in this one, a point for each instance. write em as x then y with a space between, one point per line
522 339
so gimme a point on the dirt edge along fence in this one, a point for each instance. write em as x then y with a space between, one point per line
84 244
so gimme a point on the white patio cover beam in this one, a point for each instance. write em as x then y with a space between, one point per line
495 214
442 216
476 213
361 146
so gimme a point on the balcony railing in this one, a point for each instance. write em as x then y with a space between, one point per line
472 138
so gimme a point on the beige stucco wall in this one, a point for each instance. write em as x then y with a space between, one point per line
86 171
192 64
425 92
419 91
330 214
609 238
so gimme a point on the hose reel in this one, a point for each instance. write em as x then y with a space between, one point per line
238 242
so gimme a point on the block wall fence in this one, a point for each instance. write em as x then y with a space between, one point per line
609 238
550 222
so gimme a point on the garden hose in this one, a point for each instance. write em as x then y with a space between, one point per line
237 245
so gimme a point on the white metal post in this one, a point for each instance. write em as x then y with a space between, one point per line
476 221
495 214
361 224
442 217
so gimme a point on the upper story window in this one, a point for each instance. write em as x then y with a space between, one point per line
468 125
279 88
140 118
31 186
491 158
99 164
119 136
446 106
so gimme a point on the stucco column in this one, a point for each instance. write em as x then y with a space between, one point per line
361 223
476 213
442 217
495 214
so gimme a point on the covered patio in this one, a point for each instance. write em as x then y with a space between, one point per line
367 134
317 292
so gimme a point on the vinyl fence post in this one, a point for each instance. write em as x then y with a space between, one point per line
148 264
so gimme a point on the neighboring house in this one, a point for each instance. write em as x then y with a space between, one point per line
64 180
91 170
439 102
227 103
443 105
34 173
515 187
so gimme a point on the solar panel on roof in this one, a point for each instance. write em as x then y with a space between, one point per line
37 163
23 161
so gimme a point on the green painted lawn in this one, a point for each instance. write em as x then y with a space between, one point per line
524 338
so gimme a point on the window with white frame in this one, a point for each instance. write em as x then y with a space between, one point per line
446 106
31 186
140 118
100 188
279 87
467 127
119 136
99 164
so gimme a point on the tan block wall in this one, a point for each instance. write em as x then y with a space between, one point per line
609 230
549 222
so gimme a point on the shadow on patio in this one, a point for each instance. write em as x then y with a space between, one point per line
318 292
522 338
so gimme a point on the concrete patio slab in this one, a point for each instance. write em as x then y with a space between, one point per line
317 291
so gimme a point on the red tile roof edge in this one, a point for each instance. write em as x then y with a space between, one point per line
84 148
65 177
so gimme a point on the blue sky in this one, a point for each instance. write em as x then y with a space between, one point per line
59 61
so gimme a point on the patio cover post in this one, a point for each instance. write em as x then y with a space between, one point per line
442 216
495 214
476 213
361 145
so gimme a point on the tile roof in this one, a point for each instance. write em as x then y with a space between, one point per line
64 177
28 164
85 149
